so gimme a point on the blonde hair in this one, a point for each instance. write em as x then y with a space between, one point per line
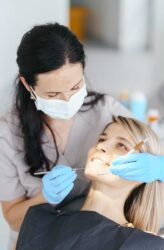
144 205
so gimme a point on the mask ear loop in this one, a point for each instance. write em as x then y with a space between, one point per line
32 94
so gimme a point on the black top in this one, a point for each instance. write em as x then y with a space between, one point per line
46 228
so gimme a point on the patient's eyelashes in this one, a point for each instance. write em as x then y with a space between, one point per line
121 146
113 145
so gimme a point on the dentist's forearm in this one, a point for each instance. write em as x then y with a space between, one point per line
16 212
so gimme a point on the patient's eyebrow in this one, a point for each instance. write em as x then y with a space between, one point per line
104 134
102 137
124 139
118 137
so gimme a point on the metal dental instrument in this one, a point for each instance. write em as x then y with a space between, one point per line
45 172
137 147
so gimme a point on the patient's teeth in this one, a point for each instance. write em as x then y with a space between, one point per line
98 161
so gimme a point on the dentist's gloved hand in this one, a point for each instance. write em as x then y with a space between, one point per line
142 167
58 183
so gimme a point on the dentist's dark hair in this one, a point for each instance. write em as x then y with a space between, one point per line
42 49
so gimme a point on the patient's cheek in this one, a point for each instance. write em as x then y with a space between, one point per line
89 166
92 168
91 151
113 157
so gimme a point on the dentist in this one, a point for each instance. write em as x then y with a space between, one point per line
54 120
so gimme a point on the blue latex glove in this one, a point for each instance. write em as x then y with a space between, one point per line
58 183
142 167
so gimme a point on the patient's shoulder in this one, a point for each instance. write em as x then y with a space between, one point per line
143 240
41 210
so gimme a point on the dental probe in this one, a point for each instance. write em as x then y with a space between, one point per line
45 172
137 147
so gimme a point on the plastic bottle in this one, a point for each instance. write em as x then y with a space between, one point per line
153 120
124 98
138 105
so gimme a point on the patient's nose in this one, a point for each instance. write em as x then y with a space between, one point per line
101 148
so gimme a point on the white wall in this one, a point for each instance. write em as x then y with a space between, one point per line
157 87
16 17
111 71
134 24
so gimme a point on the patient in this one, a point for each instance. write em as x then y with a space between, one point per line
116 213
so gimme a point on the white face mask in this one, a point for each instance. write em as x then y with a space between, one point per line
60 109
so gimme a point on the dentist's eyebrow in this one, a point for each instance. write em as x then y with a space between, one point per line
57 92
77 83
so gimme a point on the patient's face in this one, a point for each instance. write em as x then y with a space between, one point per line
114 142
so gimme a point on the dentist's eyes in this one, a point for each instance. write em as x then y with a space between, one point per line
57 94
52 96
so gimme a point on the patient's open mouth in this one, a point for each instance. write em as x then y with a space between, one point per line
99 162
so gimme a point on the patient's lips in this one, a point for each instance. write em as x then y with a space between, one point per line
99 162
96 162
107 164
